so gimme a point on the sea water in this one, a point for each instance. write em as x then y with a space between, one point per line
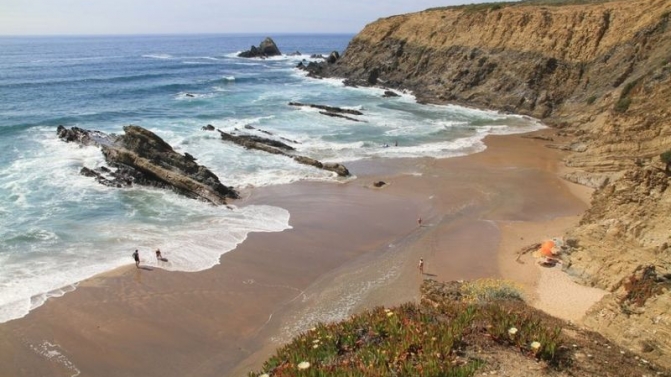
58 227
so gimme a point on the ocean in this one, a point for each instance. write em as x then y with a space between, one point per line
58 227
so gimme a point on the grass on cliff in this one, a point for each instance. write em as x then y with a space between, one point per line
431 339
493 6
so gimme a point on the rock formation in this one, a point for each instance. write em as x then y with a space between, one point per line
598 71
141 157
330 109
266 49
277 147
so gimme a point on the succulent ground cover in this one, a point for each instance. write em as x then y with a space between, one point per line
459 329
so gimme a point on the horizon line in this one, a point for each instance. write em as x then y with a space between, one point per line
174 34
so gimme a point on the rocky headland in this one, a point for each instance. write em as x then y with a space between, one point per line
599 73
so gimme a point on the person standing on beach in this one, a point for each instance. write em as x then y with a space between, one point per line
136 256
158 255
419 221
421 266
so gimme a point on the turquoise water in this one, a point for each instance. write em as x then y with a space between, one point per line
58 227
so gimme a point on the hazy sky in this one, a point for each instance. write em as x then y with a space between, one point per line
42 17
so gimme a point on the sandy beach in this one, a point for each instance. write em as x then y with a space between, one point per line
352 246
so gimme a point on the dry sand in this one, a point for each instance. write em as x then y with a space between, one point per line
351 246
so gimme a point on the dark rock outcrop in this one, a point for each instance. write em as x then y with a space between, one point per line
335 115
330 109
333 57
279 148
141 157
266 49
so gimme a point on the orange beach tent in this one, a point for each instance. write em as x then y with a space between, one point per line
546 249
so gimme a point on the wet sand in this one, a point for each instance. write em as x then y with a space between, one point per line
351 246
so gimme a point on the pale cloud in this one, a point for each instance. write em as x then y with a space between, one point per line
45 17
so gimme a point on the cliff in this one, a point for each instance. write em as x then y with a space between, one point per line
597 71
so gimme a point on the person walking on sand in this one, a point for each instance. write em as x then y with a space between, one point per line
136 256
419 221
421 266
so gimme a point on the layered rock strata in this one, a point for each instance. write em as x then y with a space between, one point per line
277 147
141 157
600 72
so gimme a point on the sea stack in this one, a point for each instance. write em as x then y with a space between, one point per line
266 49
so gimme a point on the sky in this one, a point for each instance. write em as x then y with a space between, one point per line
94 17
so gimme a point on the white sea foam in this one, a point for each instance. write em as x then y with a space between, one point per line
192 234
181 96
158 56
193 246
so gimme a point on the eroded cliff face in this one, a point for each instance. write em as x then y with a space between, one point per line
599 72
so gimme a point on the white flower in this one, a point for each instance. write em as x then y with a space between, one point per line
512 331
315 346
303 365
264 375
315 341
389 314
535 345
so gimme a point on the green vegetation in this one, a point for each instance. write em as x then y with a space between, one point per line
432 339
666 158
563 2
627 88
591 100
486 290
472 8
623 103
487 7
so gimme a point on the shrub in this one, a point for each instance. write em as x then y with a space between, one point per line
485 290
641 287
666 158
591 100
622 104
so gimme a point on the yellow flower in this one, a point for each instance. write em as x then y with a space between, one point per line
303 365
315 346
535 346
389 314
512 331
264 375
